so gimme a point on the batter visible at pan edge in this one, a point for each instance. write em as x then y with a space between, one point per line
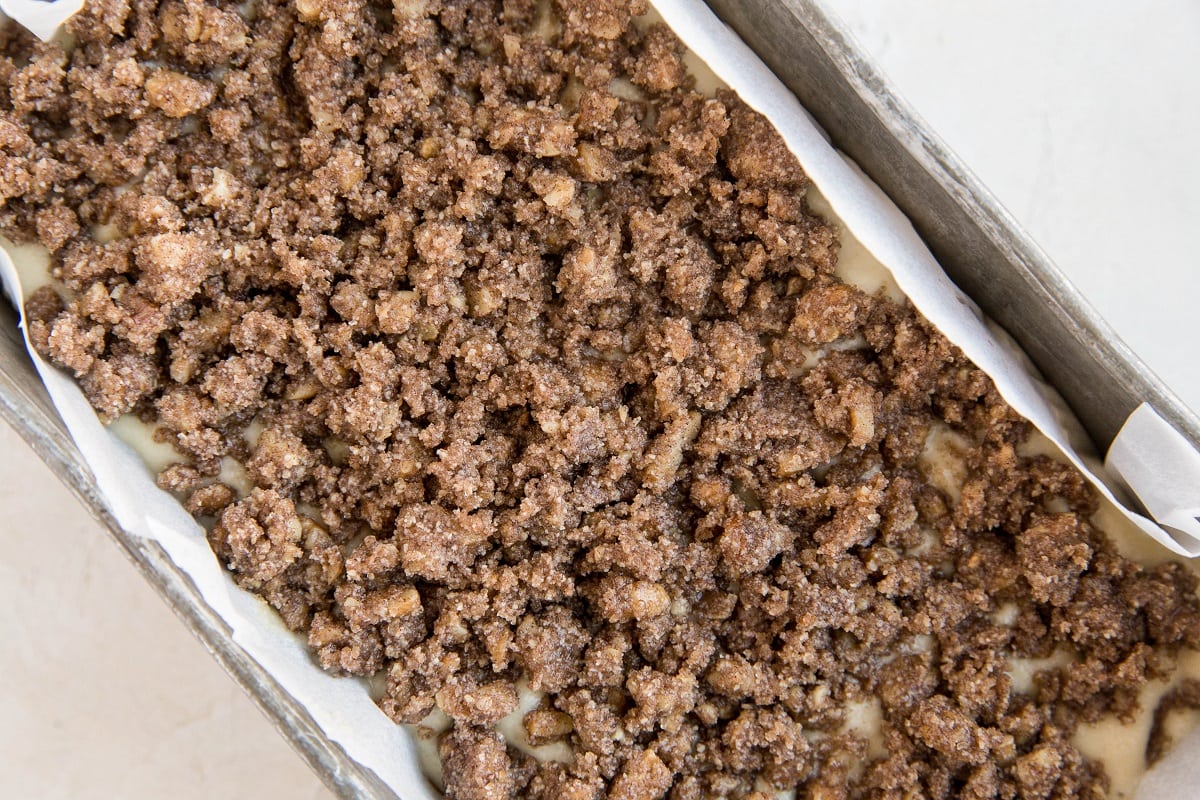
540 373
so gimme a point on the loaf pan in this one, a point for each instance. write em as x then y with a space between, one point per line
977 242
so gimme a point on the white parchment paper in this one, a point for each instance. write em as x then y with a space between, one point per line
1158 465
342 707
41 17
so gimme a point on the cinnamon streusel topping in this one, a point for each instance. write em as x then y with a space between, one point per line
550 383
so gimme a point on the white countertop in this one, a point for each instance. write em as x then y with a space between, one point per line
1082 117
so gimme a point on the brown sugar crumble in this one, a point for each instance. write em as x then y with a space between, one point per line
554 385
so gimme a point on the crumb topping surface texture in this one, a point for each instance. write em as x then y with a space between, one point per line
537 378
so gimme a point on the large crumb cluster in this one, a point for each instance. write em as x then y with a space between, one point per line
538 367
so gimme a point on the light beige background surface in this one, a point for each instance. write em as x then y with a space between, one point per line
1082 116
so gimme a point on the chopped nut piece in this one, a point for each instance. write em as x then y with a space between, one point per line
177 95
545 726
